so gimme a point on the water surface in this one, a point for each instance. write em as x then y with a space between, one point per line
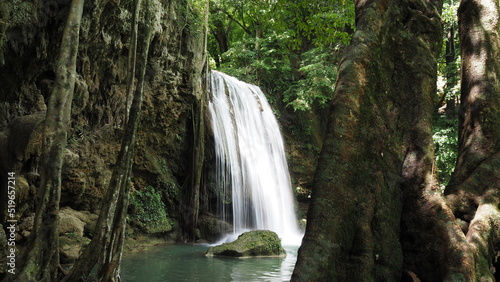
188 263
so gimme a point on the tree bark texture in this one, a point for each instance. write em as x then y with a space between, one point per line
106 246
42 259
457 238
378 146
109 269
474 189
132 57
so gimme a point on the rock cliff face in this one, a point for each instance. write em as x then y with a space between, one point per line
30 34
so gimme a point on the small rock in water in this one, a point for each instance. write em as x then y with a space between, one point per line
256 243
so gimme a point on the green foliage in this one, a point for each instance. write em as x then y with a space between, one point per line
288 48
270 67
450 78
449 14
321 22
318 80
167 180
190 17
148 207
267 66
445 136
72 235
449 64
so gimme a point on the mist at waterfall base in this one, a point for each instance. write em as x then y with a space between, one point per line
251 164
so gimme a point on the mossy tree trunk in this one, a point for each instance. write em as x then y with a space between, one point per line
41 263
106 246
378 146
474 189
376 167
457 238
110 258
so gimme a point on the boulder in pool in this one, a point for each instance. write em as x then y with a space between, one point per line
256 243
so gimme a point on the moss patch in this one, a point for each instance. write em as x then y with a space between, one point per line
148 211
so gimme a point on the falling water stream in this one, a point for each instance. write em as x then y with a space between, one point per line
252 175
251 161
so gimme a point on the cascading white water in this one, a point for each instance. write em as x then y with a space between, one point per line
251 163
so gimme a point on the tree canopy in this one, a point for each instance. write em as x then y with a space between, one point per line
286 47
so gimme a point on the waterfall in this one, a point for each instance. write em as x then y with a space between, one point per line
250 159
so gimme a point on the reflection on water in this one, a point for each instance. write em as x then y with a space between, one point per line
188 263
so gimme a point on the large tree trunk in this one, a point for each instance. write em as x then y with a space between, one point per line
42 259
438 246
106 246
474 189
379 137
459 239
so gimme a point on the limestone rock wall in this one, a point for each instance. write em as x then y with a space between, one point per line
30 32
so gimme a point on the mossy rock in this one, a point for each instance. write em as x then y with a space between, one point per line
161 225
257 243
69 223
71 246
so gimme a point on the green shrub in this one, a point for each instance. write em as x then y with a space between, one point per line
318 81
445 136
149 210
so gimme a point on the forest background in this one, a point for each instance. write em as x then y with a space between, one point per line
294 52
292 49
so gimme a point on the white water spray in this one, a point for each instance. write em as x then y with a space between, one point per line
251 164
